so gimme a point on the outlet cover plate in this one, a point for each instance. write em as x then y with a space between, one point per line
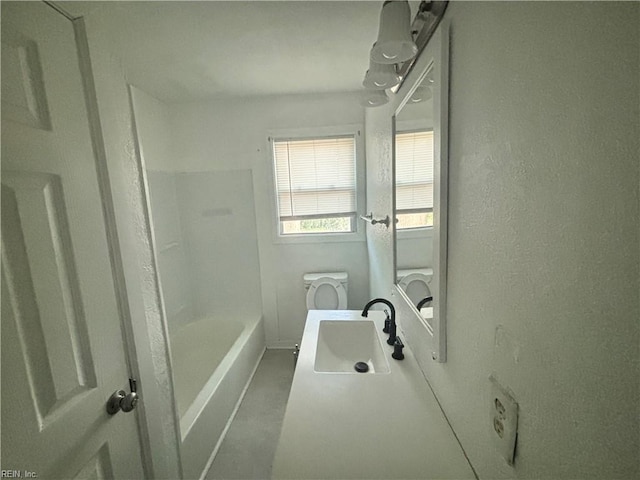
503 414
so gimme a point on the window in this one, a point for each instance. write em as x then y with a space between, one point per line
414 179
315 185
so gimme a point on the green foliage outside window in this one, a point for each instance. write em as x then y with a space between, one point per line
318 225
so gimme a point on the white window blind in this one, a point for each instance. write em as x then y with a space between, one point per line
315 178
414 171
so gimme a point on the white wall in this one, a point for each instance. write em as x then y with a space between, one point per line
543 234
153 130
232 134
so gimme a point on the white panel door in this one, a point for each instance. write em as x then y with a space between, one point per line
62 346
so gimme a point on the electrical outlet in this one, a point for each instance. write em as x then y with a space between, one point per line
503 413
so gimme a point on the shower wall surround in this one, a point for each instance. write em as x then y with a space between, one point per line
219 225
206 245
543 275
171 249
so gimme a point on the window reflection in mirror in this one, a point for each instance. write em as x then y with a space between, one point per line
414 199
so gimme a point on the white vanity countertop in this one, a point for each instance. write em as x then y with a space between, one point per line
364 426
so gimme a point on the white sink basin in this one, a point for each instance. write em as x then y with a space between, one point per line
342 344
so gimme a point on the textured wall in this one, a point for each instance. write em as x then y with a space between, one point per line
153 130
543 238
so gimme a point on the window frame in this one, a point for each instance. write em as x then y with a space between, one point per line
357 132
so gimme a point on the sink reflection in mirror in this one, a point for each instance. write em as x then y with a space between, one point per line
343 344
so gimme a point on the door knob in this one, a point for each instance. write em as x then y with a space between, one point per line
120 400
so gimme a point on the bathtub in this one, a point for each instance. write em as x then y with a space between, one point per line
213 361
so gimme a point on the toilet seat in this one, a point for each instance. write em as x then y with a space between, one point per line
419 289
339 291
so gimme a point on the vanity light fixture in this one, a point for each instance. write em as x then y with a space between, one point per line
374 98
380 76
394 53
395 43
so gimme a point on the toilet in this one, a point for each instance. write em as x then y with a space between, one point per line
326 291
416 283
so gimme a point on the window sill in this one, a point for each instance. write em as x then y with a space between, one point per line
415 233
320 238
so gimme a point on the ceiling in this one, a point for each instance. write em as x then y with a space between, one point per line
181 51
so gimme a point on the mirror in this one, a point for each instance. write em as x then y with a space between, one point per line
420 191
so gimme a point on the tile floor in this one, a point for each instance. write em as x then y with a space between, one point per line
248 449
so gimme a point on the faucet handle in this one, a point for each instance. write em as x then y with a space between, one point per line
387 322
397 349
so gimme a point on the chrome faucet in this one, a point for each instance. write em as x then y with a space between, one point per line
392 325
423 301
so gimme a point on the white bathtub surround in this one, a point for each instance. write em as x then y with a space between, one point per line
364 425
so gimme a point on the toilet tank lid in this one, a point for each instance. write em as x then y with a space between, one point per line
424 271
337 276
